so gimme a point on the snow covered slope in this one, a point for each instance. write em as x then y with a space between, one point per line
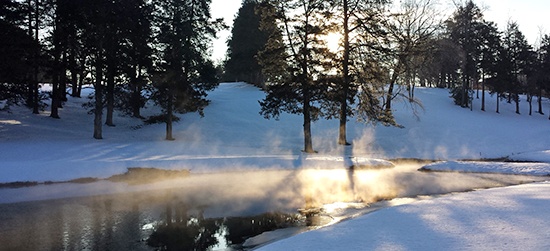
233 135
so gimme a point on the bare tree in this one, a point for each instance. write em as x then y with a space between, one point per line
412 29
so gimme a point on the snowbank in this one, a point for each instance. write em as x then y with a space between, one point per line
537 169
510 218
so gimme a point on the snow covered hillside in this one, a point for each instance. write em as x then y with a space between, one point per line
233 135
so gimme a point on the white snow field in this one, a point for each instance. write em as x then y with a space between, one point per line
233 136
509 218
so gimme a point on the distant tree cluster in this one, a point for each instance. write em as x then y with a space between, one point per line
124 48
501 61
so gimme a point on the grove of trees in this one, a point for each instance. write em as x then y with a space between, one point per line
134 51
130 50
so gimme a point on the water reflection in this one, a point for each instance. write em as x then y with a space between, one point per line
156 221
214 211
198 233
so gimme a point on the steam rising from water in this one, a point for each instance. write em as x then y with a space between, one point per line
237 193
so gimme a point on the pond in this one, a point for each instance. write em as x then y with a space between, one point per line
212 211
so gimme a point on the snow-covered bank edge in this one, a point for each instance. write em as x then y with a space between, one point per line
512 168
506 218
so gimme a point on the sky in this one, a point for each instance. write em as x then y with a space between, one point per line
531 15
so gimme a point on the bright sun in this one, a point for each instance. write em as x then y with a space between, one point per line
333 41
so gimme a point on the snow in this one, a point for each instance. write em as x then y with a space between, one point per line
233 136
510 218
536 169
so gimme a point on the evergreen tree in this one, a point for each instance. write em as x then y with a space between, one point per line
94 33
186 72
500 75
491 45
17 50
519 53
304 23
246 41
543 69
138 53
464 30
361 29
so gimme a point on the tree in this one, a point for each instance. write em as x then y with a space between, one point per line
302 23
543 69
246 41
500 75
186 72
361 30
464 30
138 53
520 55
412 31
17 50
95 31
491 45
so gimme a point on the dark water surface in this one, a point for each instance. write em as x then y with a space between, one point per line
206 211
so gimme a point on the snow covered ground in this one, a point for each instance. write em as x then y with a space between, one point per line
509 218
233 136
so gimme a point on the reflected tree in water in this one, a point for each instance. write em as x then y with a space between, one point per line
182 232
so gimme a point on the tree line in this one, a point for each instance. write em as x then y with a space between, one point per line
386 50
129 50
133 51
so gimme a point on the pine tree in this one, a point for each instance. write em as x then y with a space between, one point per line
543 69
360 24
519 52
247 40
17 50
501 75
186 72
300 90
491 45
138 53
463 29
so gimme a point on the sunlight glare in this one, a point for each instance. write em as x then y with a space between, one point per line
333 40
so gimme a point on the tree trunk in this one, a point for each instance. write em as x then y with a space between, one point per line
482 92
98 112
63 80
308 143
530 101
540 102
465 81
169 114
35 91
516 99
74 74
136 95
342 138
55 97
81 78
110 95
498 102
55 86
389 95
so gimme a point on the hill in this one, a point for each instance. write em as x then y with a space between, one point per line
233 135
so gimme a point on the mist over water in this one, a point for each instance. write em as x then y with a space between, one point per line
125 219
